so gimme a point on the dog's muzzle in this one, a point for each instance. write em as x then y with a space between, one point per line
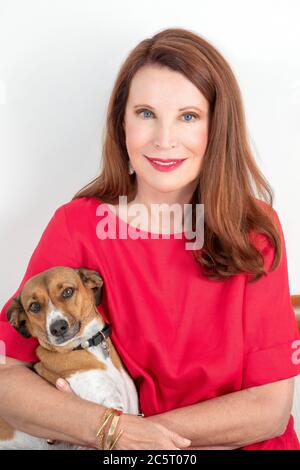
59 328
62 332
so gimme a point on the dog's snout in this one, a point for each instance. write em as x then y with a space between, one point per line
59 327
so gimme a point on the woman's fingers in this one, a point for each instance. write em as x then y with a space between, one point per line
63 385
51 442
180 441
142 434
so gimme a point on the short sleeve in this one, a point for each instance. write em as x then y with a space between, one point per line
269 322
54 248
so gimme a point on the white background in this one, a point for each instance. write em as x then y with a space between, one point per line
58 62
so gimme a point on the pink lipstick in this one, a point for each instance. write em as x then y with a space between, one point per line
165 164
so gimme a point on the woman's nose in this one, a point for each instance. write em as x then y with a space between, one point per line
165 138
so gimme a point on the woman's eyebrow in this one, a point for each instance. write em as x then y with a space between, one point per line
181 109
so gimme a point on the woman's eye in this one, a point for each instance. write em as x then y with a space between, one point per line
186 114
35 307
144 111
68 292
190 114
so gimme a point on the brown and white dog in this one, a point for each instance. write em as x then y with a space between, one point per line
58 307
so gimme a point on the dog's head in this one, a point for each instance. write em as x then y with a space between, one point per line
56 305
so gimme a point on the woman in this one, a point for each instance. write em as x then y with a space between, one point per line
207 334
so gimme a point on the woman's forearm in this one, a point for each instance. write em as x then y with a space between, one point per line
32 405
226 422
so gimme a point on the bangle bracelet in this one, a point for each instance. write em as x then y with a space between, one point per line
105 419
117 438
112 429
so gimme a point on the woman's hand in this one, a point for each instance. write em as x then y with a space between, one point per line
63 386
142 434
139 433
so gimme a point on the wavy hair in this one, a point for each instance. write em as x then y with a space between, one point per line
237 198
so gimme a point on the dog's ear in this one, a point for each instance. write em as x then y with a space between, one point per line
17 317
93 280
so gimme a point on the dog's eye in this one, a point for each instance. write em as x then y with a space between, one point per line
35 307
68 292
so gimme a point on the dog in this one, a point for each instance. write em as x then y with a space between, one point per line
58 307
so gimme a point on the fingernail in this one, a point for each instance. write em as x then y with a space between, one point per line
187 441
60 383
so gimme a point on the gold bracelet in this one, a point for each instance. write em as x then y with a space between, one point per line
107 413
117 438
112 429
100 434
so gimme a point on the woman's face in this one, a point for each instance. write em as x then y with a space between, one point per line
156 126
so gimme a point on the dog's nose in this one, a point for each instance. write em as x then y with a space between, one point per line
59 327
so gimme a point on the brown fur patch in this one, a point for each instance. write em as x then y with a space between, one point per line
54 365
6 431
45 373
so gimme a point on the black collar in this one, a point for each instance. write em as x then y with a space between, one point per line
99 338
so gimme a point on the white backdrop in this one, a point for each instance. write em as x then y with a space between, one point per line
58 61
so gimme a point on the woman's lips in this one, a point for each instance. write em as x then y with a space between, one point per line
165 165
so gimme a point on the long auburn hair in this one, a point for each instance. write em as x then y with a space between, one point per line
236 196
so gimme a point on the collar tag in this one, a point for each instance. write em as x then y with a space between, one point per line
105 347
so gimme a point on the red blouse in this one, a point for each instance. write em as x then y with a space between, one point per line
183 338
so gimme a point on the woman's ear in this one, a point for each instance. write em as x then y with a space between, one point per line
17 317
93 281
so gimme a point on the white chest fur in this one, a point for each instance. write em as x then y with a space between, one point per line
109 387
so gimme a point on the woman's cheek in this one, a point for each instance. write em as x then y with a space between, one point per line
137 138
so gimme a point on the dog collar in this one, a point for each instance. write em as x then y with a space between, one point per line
99 338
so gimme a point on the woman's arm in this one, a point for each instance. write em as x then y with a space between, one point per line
32 405
234 420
